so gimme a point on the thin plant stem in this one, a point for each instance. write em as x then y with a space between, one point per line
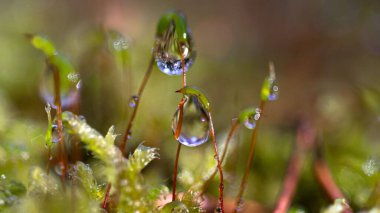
249 161
178 130
221 185
326 181
57 102
305 138
108 189
175 172
229 137
128 132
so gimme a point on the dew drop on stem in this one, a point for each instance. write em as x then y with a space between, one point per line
252 119
171 46
133 101
70 84
195 123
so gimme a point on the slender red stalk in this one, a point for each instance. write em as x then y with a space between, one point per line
178 129
249 161
229 137
57 103
128 132
108 189
221 185
305 139
175 172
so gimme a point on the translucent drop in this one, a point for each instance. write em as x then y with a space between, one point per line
54 133
250 122
195 127
133 101
70 85
169 51
274 91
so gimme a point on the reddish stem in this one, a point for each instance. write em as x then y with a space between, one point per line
108 189
249 160
57 103
305 139
128 132
229 137
175 172
221 185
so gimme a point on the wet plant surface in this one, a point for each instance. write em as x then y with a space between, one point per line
105 110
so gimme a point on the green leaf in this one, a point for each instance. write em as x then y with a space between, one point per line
10 192
133 191
268 83
246 114
40 184
43 44
180 26
83 173
193 90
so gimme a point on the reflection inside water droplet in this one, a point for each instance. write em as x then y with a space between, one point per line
169 51
274 91
250 122
195 123
69 87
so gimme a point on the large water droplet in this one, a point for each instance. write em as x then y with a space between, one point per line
169 51
251 120
195 125
70 85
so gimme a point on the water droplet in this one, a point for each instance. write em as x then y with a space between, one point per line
70 85
3 177
58 168
273 87
195 122
250 122
133 101
82 118
169 51
54 133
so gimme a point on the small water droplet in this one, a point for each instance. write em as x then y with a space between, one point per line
58 168
70 86
54 133
250 122
3 177
195 127
169 51
273 92
133 101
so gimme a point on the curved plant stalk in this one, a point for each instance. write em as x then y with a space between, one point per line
128 130
304 141
249 160
229 137
221 184
178 130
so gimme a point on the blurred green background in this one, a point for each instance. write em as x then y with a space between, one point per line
326 55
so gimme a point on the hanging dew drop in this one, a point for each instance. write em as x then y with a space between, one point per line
252 119
173 51
54 133
70 85
133 101
273 92
195 124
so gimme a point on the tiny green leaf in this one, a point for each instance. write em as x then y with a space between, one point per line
269 90
193 90
43 44
178 20
246 114
48 136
